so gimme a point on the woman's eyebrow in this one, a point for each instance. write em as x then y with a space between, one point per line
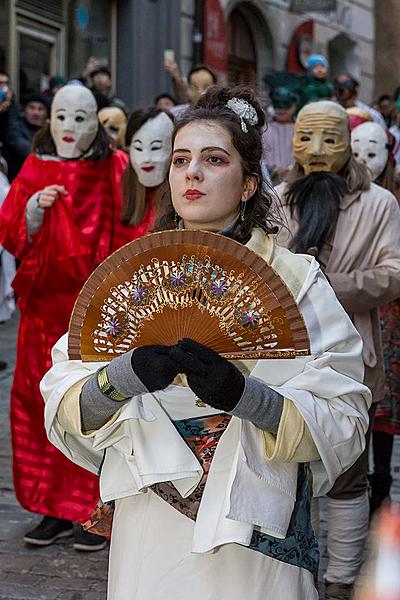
215 148
206 149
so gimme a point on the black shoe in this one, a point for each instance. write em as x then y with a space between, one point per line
3 365
48 531
88 542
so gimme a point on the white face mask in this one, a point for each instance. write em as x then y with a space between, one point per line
73 121
150 150
369 144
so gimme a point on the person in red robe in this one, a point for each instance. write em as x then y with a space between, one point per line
61 218
149 139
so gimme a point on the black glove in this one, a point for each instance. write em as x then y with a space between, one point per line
212 378
154 367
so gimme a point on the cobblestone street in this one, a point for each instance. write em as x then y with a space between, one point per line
56 572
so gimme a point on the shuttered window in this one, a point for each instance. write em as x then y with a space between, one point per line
50 9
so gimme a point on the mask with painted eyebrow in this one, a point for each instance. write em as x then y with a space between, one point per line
74 133
151 157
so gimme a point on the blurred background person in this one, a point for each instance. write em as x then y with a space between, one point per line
346 93
371 146
114 121
164 102
22 125
199 79
55 83
179 83
7 263
385 106
278 135
317 87
101 84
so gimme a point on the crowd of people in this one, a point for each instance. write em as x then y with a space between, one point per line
118 446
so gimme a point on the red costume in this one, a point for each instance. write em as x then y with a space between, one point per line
78 232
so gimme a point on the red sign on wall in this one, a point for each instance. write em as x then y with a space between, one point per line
215 37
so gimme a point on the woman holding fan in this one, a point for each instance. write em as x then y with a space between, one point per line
209 463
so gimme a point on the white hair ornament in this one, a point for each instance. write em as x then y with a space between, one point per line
245 111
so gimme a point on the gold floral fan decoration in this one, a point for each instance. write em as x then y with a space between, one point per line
186 284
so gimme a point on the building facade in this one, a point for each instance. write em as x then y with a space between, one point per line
240 40
250 38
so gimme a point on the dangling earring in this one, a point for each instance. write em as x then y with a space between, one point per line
242 211
176 219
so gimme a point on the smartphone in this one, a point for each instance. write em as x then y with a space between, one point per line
169 57
3 93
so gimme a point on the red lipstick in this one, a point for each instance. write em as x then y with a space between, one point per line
148 168
68 139
193 194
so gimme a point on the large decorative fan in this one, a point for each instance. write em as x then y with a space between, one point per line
166 286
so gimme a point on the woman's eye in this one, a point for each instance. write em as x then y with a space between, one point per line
215 160
305 138
179 161
138 149
156 147
329 141
114 129
61 117
79 119
355 154
371 155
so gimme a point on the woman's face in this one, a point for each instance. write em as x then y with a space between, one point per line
206 177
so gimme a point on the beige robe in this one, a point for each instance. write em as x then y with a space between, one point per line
363 266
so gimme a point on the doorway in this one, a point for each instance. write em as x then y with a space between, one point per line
242 58
39 55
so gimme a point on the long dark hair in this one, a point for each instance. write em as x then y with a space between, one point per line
134 193
315 201
211 107
101 147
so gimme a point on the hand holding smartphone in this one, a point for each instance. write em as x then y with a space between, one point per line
169 57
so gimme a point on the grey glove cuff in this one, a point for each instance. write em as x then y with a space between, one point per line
123 377
34 214
260 404
96 407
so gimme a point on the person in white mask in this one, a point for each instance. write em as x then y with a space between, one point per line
61 218
372 146
148 137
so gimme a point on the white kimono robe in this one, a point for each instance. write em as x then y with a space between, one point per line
158 553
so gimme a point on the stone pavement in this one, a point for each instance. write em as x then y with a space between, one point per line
58 572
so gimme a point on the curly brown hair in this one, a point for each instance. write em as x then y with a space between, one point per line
211 107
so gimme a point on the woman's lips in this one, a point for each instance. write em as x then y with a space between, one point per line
68 139
148 168
193 195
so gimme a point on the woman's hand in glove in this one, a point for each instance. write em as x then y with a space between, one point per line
154 366
211 377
